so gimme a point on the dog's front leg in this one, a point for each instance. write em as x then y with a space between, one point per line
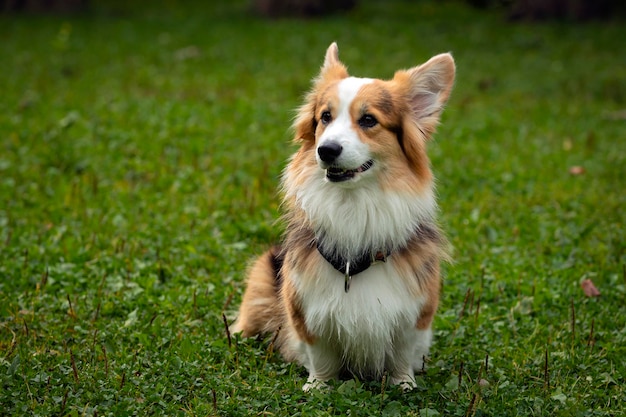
324 363
421 346
408 357
402 374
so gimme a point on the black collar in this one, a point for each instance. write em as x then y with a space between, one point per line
424 232
351 267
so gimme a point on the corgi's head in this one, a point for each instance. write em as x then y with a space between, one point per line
361 178
353 128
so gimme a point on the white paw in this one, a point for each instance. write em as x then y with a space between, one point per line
314 384
408 386
405 382
235 328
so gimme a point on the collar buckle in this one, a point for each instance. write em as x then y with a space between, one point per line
379 257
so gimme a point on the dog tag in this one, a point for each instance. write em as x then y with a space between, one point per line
348 277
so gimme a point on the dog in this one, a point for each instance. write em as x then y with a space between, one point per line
355 284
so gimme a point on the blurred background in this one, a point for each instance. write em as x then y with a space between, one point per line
141 148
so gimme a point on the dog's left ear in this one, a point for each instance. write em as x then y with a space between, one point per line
425 90
429 87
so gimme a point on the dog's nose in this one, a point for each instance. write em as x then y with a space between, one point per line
329 151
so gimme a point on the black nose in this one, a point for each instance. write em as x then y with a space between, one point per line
329 151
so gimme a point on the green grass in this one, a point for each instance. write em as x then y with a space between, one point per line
140 150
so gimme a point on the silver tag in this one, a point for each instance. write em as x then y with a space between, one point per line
348 277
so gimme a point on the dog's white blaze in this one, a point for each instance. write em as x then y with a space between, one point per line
341 129
370 328
348 88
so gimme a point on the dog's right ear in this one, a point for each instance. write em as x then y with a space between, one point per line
332 56
332 70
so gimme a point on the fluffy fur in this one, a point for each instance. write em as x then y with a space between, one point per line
359 183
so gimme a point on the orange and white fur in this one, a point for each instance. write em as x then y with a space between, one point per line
359 184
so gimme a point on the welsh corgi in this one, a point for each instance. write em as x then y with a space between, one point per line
354 285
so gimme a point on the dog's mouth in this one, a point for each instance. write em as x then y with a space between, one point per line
337 174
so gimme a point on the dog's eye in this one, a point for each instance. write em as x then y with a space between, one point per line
367 120
326 117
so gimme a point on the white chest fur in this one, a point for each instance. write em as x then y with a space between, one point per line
354 221
363 325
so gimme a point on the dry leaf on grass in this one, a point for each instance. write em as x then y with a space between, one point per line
577 170
589 288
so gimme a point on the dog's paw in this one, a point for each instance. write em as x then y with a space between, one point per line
235 328
314 384
405 382
408 386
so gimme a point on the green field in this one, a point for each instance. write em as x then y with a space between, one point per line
140 153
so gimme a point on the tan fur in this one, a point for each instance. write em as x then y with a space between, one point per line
332 71
295 317
260 312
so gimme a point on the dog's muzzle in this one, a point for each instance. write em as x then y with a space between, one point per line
337 174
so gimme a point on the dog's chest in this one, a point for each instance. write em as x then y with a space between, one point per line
368 317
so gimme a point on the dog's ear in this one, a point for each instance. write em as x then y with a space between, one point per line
428 87
332 56
332 70
425 89
332 65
